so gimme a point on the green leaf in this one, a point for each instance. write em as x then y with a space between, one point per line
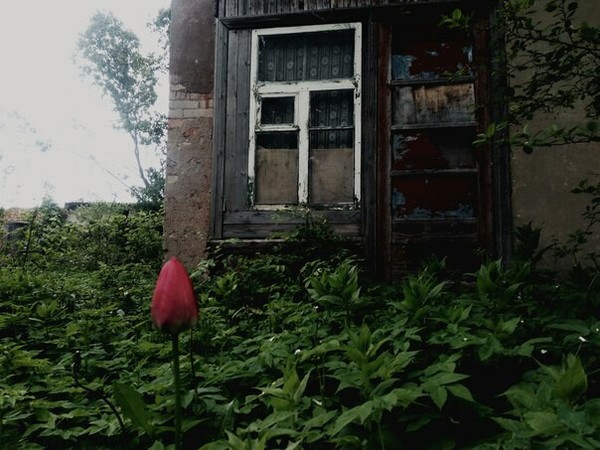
301 388
439 396
513 426
444 378
543 423
319 419
407 395
577 326
228 416
572 382
133 406
592 408
460 391
351 415
330 300
508 326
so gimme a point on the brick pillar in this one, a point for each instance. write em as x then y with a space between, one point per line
189 143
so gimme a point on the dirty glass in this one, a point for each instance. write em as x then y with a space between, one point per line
277 110
431 59
441 148
436 196
433 104
306 56
331 130
276 168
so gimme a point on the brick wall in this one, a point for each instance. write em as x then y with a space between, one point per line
189 143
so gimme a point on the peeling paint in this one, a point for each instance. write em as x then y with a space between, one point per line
433 59
398 199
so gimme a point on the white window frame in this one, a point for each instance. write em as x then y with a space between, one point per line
301 91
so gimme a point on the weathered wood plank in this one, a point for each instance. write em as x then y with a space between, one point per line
221 61
383 157
269 6
433 104
239 147
231 8
369 143
230 114
233 119
254 7
257 8
242 7
258 231
266 217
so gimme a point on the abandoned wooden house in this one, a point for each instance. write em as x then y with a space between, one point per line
363 111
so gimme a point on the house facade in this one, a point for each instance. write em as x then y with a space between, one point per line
361 111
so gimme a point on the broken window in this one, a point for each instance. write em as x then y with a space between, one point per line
434 175
304 116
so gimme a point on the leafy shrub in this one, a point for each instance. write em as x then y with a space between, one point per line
89 237
292 353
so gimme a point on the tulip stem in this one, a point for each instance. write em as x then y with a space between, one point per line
177 380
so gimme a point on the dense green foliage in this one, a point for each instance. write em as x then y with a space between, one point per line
295 348
547 64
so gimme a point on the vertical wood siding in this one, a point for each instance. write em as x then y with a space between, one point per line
417 125
247 8
236 135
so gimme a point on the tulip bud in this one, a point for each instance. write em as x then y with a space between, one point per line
174 307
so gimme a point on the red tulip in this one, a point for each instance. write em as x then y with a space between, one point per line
174 307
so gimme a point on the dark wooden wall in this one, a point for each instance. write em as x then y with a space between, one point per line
246 8
372 224
233 218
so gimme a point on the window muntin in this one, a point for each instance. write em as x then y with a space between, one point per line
317 70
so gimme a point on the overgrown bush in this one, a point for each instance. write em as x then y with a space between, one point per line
87 238
292 353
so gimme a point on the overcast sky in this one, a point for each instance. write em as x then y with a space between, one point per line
56 131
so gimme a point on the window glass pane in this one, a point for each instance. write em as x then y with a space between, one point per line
277 110
332 108
331 177
332 139
443 148
434 197
433 104
306 56
276 168
431 59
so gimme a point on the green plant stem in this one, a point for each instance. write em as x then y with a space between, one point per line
177 381
380 433
98 393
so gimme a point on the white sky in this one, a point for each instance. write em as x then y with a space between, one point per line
41 84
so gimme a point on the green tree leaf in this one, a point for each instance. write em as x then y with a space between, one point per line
572 382
133 406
